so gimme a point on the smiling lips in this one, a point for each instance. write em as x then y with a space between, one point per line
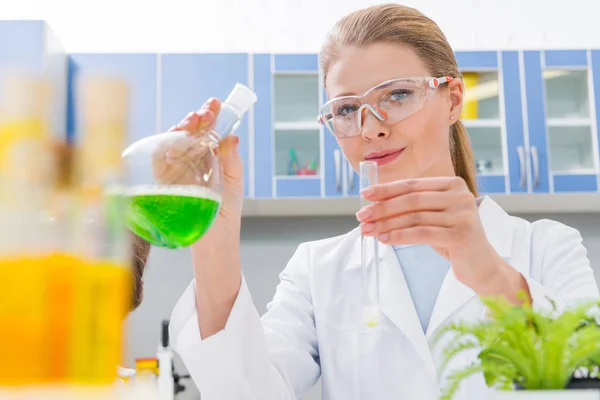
385 156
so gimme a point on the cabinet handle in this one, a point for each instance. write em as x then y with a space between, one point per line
350 176
337 158
536 166
521 152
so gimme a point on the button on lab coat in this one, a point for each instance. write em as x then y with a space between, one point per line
313 327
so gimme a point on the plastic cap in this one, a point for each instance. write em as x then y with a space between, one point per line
241 98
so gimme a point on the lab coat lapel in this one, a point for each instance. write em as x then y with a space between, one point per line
498 228
396 304
395 300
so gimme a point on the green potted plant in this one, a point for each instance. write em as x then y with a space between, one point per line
524 353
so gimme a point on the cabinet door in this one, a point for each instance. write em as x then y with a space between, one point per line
595 68
513 118
563 144
261 172
536 120
297 137
140 72
338 173
482 115
188 80
571 138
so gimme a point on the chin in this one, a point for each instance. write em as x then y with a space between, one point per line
389 173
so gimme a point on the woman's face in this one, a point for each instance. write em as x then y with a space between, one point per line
419 144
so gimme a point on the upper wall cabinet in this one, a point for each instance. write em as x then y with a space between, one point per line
531 118
483 116
561 91
288 141
187 81
32 47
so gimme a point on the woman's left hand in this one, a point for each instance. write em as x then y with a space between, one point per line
440 212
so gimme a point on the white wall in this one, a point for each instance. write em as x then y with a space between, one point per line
297 25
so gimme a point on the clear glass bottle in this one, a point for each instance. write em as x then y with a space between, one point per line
102 245
25 189
176 187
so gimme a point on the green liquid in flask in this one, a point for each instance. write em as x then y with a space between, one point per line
171 216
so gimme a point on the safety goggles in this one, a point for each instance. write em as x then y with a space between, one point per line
390 102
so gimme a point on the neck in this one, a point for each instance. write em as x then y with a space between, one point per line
441 168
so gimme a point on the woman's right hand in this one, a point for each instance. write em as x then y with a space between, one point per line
176 161
216 256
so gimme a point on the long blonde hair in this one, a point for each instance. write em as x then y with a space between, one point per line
397 24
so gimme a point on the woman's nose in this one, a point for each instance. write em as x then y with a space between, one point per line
371 123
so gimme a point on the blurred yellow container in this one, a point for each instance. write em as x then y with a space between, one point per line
470 102
61 318
65 278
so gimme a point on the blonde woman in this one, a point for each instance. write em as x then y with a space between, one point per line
396 97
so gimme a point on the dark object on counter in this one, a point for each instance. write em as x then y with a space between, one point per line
483 166
574 384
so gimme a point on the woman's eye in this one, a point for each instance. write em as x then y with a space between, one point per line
400 95
346 109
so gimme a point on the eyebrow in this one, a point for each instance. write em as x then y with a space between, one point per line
380 85
344 94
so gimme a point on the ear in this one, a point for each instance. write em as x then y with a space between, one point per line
456 94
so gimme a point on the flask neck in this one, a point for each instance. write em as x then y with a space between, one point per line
227 121
213 137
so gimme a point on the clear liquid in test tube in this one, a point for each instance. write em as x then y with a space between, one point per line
369 254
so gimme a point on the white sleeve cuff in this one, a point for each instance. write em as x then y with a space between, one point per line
184 329
213 363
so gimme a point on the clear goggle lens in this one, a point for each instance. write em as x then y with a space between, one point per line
391 101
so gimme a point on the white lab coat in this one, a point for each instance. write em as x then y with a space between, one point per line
313 327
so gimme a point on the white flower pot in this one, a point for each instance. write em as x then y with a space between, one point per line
581 394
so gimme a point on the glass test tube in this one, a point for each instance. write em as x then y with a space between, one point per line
369 254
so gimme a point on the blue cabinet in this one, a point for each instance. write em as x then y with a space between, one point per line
188 80
547 119
287 140
531 117
483 115
561 121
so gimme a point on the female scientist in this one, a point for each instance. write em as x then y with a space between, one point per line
396 97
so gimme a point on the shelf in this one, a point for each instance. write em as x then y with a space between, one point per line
580 171
497 174
297 126
295 107
568 122
512 204
280 177
482 123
